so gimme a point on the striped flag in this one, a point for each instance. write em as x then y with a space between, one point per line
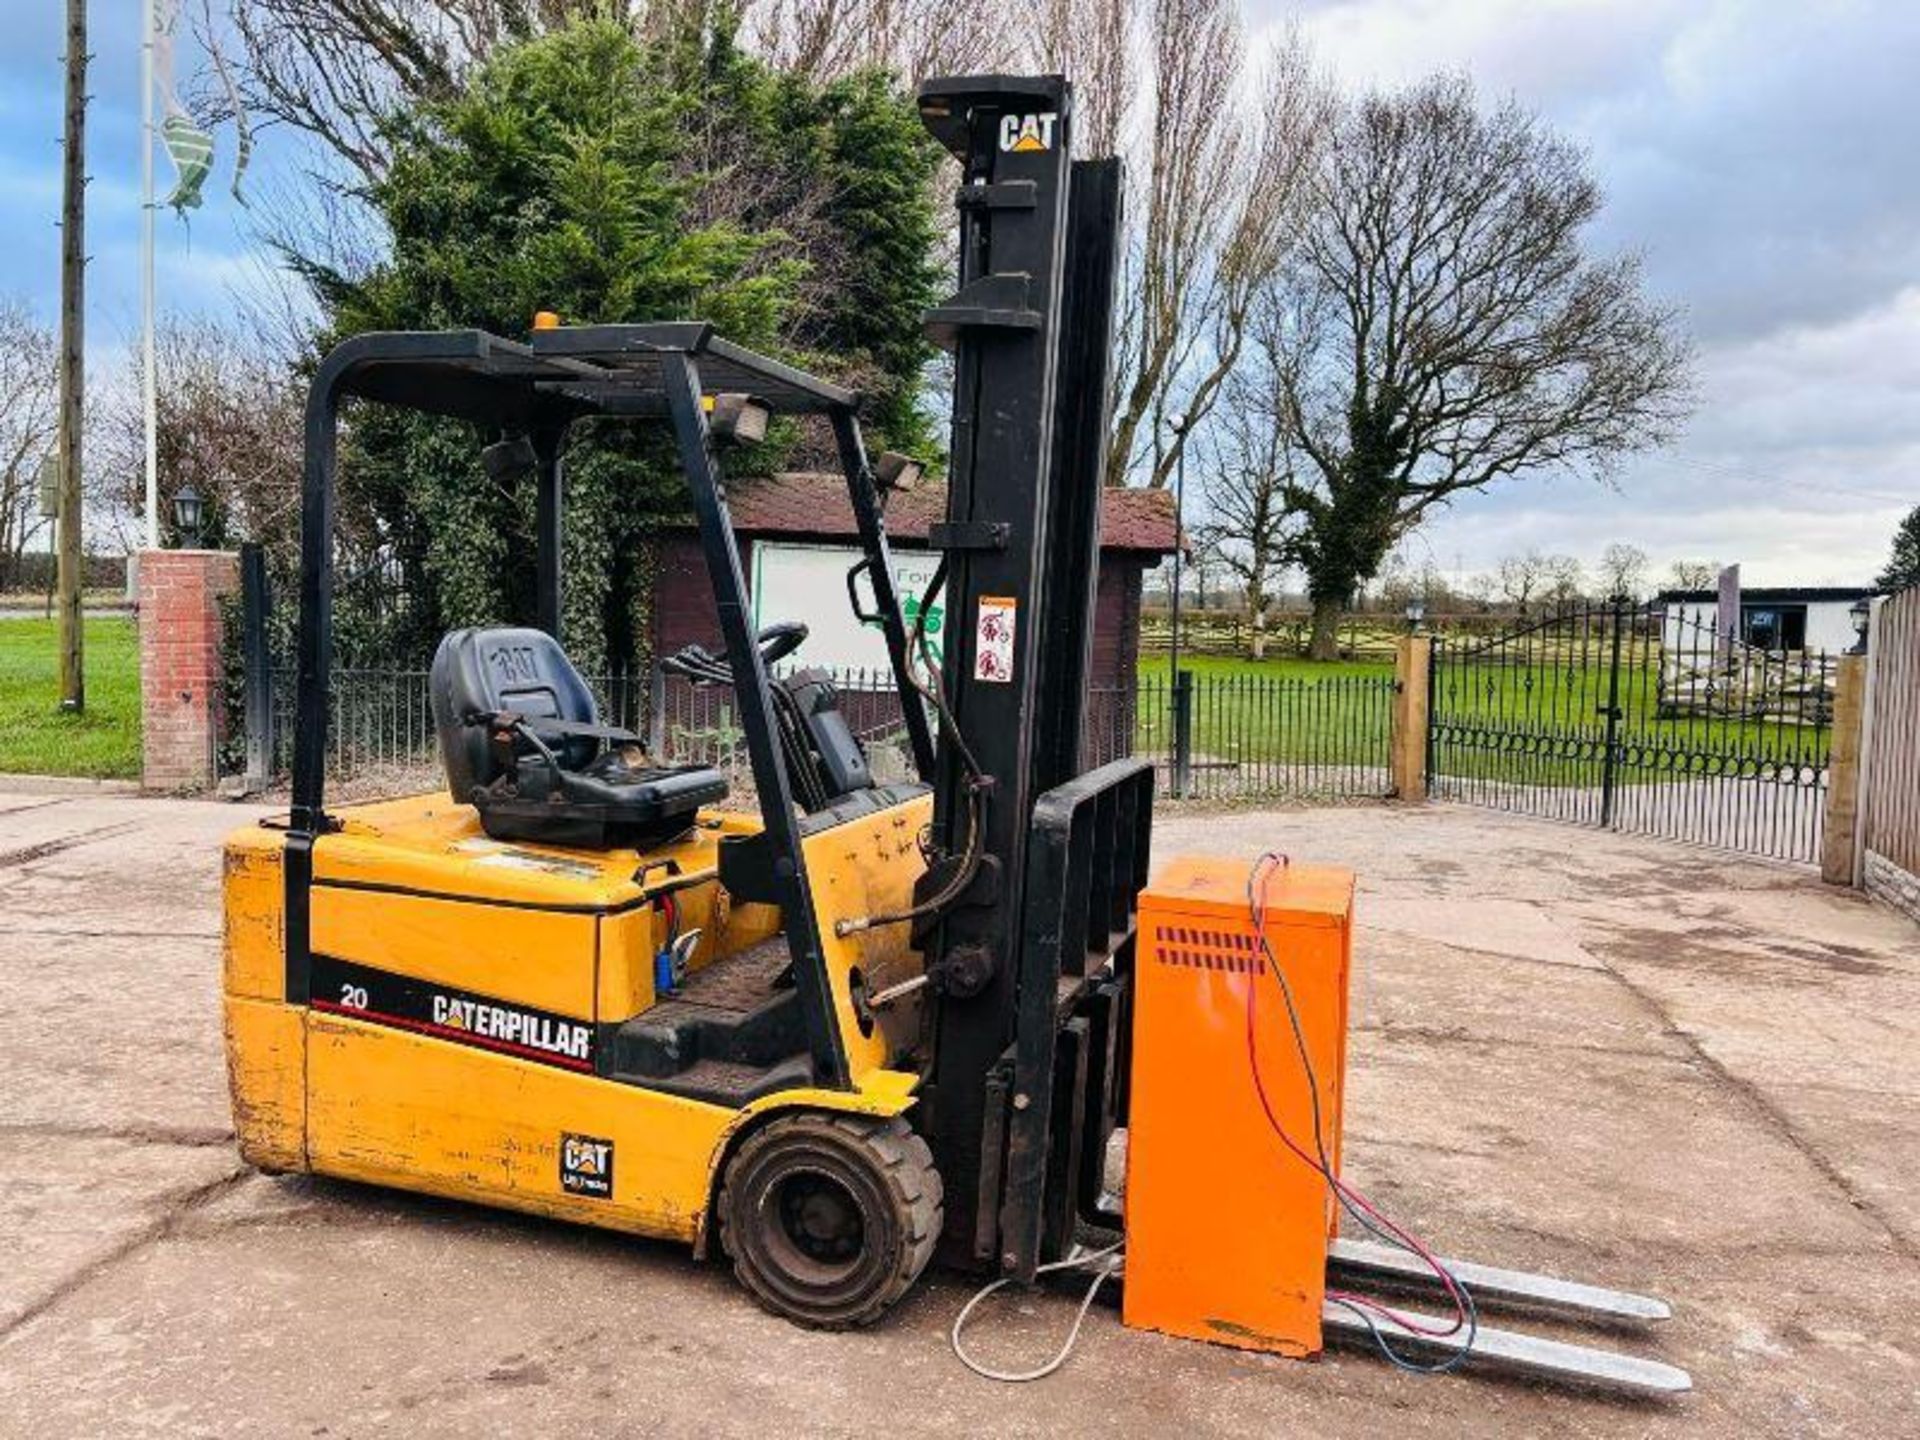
191 150
188 145
242 125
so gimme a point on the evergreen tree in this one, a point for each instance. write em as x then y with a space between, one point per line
615 179
1903 567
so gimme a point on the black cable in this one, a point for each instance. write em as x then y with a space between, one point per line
1415 1367
974 846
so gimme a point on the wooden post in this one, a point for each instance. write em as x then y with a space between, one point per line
73 265
1413 659
1838 836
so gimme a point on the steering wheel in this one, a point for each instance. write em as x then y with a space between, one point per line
781 639
703 667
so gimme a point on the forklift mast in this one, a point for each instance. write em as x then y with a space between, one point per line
1030 1026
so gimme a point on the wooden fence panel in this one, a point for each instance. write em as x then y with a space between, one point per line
1892 774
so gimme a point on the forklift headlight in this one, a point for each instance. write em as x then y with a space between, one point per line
893 471
739 418
507 458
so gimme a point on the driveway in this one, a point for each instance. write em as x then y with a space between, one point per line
1619 1059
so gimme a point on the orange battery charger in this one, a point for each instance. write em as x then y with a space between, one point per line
1227 1228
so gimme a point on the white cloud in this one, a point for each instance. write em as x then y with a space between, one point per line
1761 153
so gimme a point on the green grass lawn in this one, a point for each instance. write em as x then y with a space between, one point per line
1272 714
1153 668
1539 724
35 738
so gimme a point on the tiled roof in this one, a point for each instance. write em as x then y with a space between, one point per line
816 505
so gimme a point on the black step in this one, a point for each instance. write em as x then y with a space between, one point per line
730 1020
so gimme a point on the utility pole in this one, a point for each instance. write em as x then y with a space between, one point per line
73 262
149 374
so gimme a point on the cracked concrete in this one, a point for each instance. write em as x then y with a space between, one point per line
1620 1060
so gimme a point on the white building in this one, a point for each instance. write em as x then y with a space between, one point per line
1788 620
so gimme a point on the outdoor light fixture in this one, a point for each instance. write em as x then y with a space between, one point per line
739 418
894 471
505 459
189 508
1416 612
1861 612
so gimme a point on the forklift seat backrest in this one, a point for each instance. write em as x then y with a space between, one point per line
486 672
522 742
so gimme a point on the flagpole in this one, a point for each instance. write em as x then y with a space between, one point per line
149 384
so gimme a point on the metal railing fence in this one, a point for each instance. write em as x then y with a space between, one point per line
1212 737
1636 718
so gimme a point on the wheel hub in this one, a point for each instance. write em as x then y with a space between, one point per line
820 1218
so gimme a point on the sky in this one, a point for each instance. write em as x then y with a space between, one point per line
199 261
1763 156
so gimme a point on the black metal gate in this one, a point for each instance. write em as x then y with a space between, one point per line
1647 718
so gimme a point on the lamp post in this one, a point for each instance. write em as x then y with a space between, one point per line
1416 612
1178 424
1861 613
189 508
1181 697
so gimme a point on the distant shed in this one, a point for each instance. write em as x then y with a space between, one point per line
1784 619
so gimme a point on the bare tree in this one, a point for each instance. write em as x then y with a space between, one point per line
1565 579
1522 578
828 39
1693 574
1097 44
29 416
1247 475
1218 186
1623 570
229 425
340 72
1479 589
1445 330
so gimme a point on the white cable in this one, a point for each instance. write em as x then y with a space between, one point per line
1074 1262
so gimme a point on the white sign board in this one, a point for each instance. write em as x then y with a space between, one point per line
809 583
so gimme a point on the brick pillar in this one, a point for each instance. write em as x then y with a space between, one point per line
180 666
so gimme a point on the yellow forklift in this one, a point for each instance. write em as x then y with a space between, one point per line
836 1034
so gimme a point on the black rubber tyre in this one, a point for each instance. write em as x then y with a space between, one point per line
830 1218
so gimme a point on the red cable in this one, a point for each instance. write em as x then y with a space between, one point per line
1341 1189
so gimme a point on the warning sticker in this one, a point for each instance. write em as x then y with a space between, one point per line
993 641
508 859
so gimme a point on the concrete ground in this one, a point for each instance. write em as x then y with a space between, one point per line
1622 1060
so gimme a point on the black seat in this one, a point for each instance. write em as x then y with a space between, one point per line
522 742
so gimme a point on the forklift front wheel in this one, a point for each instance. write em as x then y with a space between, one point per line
830 1218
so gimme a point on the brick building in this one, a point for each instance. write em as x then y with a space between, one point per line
1136 532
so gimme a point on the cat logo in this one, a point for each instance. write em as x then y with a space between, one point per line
586 1166
1023 133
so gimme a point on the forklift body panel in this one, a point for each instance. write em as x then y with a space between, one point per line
468 997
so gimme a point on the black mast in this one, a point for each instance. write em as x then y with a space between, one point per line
1012 137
